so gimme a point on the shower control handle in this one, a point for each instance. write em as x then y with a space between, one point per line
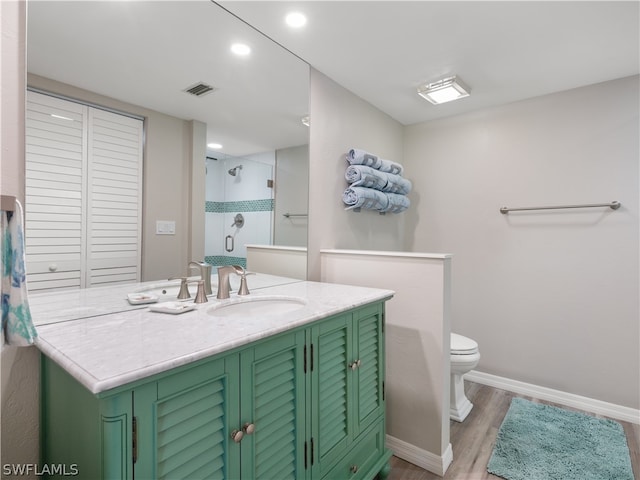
238 221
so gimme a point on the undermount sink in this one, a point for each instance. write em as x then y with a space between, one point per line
167 291
251 306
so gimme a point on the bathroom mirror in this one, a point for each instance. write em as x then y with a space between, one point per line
147 54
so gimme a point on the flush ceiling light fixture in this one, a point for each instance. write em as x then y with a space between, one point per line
445 90
306 120
215 146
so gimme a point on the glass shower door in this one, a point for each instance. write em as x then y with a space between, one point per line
239 207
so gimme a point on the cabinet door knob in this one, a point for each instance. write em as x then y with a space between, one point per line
353 468
248 428
355 364
53 267
236 436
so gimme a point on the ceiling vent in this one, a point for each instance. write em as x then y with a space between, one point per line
199 89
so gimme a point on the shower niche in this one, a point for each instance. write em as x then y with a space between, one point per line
239 206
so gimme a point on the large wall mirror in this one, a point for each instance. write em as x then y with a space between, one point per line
141 59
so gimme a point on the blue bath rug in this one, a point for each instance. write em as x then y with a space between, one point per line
541 442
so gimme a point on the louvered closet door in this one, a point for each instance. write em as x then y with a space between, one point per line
55 190
114 198
272 397
83 195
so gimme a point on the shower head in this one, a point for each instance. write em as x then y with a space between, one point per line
233 171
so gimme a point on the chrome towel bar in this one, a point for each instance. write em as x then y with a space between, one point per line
294 215
612 205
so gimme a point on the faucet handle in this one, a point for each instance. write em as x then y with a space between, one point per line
244 289
201 296
184 289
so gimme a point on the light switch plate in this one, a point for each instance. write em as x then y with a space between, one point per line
165 227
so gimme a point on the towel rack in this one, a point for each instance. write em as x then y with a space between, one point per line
7 203
612 205
288 215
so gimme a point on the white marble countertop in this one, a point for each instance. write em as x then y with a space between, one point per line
110 343
64 305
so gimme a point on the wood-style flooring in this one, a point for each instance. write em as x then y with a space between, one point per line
473 440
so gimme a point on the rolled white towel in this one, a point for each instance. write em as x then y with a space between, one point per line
371 199
362 197
360 157
363 176
397 203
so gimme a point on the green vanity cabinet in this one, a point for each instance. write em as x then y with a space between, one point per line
82 433
348 380
305 404
273 404
183 422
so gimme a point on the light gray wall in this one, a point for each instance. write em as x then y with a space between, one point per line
292 196
174 154
341 121
196 190
19 388
551 297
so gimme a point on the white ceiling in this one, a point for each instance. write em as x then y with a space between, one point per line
504 50
146 53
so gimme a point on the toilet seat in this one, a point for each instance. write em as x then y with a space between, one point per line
461 345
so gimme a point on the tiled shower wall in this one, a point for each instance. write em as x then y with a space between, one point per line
246 193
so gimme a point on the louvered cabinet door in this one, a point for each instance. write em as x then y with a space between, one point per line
184 432
273 398
332 384
369 375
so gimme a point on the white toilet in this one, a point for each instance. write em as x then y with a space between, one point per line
464 357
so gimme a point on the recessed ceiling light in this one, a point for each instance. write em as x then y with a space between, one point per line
306 120
296 20
240 49
445 90
214 146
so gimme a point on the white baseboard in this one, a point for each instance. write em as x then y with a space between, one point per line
586 404
437 464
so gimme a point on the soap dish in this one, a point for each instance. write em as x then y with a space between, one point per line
172 307
140 298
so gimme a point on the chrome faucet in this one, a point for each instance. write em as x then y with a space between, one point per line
205 274
224 286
